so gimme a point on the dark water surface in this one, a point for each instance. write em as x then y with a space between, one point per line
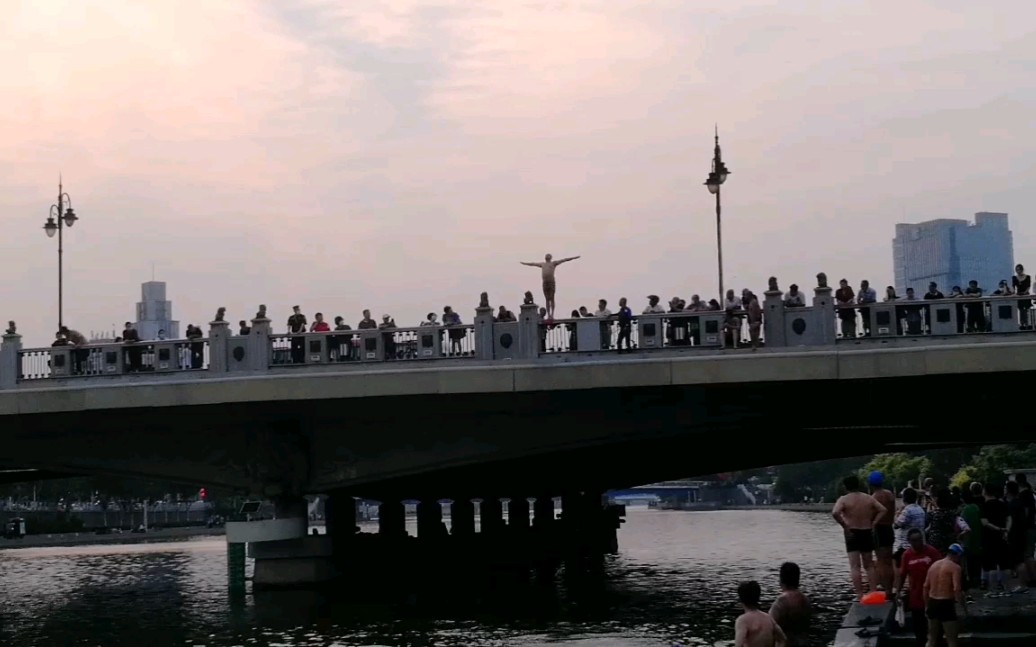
673 583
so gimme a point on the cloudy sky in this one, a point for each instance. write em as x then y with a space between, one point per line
402 155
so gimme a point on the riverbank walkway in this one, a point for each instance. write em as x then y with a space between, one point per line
1008 621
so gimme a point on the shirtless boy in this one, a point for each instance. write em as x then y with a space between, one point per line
857 513
754 628
942 592
791 610
884 535
549 283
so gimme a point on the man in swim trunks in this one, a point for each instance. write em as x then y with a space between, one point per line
549 284
753 628
884 535
857 512
942 592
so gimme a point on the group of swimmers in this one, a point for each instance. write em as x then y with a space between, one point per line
787 622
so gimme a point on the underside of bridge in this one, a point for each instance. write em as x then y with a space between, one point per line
518 443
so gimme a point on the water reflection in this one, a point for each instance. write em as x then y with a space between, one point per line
673 583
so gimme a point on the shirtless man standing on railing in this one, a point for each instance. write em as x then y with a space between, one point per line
549 284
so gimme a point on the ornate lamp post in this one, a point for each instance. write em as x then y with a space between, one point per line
60 216
716 179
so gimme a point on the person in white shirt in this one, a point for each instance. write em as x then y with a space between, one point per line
654 307
605 315
794 298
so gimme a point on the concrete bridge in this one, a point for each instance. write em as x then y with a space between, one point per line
500 411
396 411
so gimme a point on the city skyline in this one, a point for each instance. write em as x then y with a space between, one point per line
401 156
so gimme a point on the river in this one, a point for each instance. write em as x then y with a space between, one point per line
673 583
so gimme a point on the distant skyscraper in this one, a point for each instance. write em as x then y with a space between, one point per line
953 252
154 313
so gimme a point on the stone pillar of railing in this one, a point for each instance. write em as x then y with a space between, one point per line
484 342
219 336
529 331
9 369
824 306
773 319
259 343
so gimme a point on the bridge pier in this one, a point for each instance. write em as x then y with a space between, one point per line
462 518
518 514
491 516
284 555
392 519
429 521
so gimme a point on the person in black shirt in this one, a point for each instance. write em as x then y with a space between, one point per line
297 328
996 557
1016 528
1022 282
1025 495
625 318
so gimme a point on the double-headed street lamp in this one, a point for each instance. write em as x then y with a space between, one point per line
716 179
61 216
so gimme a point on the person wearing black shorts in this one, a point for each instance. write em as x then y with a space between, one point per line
996 555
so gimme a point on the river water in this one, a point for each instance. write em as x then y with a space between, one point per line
673 583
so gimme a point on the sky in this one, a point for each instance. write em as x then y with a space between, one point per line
403 155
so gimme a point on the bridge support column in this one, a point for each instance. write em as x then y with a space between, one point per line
9 363
392 519
340 523
462 518
491 516
284 555
543 513
429 520
518 513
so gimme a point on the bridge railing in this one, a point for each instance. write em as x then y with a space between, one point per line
822 323
166 356
375 345
937 317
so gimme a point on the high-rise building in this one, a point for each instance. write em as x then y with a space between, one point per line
953 252
154 313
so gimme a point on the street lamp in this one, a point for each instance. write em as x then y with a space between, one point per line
61 215
716 179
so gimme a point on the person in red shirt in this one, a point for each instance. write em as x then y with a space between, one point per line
913 568
320 325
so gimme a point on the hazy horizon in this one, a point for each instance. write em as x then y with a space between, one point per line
404 155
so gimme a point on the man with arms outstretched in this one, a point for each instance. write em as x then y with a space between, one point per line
857 512
549 284
942 592
754 628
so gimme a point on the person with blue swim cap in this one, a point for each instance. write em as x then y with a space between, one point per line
884 535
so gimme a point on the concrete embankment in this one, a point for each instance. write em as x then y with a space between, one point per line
89 538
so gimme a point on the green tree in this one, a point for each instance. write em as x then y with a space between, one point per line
991 463
898 468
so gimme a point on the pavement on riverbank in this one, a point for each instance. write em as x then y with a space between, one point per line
89 538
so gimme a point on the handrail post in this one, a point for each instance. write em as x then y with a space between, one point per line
824 306
529 331
259 345
219 337
773 319
484 337
9 360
